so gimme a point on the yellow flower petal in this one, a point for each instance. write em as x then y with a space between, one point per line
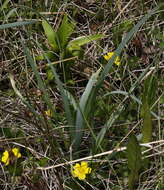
82 176
48 113
76 166
5 158
84 164
73 173
88 170
109 55
16 152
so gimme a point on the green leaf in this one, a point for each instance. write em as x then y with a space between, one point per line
50 34
150 87
7 132
50 75
84 109
15 169
134 160
74 46
16 24
71 99
80 41
148 99
49 54
133 154
147 123
75 50
132 181
4 5
11 13
107 126
162 99
65 30
134 98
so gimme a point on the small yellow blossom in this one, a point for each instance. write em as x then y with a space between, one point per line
10 156
109 55
5 158
80 170
48 113
16 152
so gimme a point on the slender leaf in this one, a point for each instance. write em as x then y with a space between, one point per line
107 126
150 87
147 124
134 160
10 13
84 109
129 94
71 100
147 101
82 40
17 24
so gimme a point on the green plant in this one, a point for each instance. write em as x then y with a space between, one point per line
62 48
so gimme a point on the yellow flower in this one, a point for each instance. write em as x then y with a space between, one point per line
48 113
16 152
5 158
109 55
80 171
11 155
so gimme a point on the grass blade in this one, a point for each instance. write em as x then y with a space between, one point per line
17 24
84 109
107 126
